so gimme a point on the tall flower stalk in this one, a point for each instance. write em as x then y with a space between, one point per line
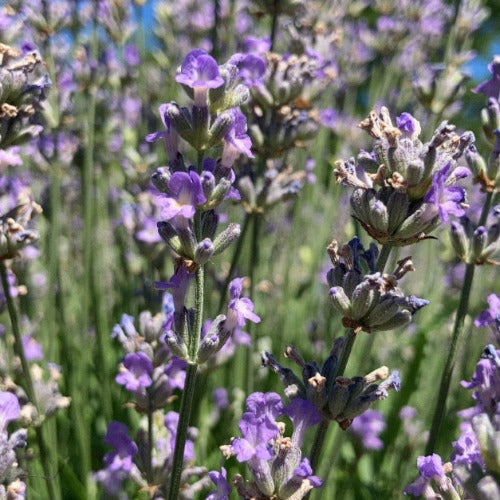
188 199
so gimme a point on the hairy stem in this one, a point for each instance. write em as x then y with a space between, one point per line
182 428
458 328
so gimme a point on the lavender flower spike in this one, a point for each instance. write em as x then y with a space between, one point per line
200 72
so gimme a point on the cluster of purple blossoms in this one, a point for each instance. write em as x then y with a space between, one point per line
275 461
475 459
404 188
129 460
151 373
11 486
148 369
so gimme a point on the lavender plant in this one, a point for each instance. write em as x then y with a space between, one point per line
86 235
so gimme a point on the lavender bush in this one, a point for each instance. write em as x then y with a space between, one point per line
289 212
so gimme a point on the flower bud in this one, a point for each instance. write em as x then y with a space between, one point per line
478 243
200 119
176 345
161 178
169 235
340 300
400 319
180 119
459 240
209 223
383 311
379 217
222 124
203 251
362 299
226 237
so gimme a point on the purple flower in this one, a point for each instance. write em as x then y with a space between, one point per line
265 404
175 370
309 167
445 199
367 427
185 194
220 481
169 135
135 371
466 448
236 139
171 422
303 415
328 117
486 384
251 68
131 55
32 349
9 409
304 470
10 157
200 72
239 309
220 398
430 467
179 284
254 45
490 317
124 448
257 432
149 232
491 88
408 125
119 463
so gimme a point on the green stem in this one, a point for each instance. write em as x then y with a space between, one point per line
28 382
319 439
274 23
450 361
458 328
180 441
198 319
383 258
